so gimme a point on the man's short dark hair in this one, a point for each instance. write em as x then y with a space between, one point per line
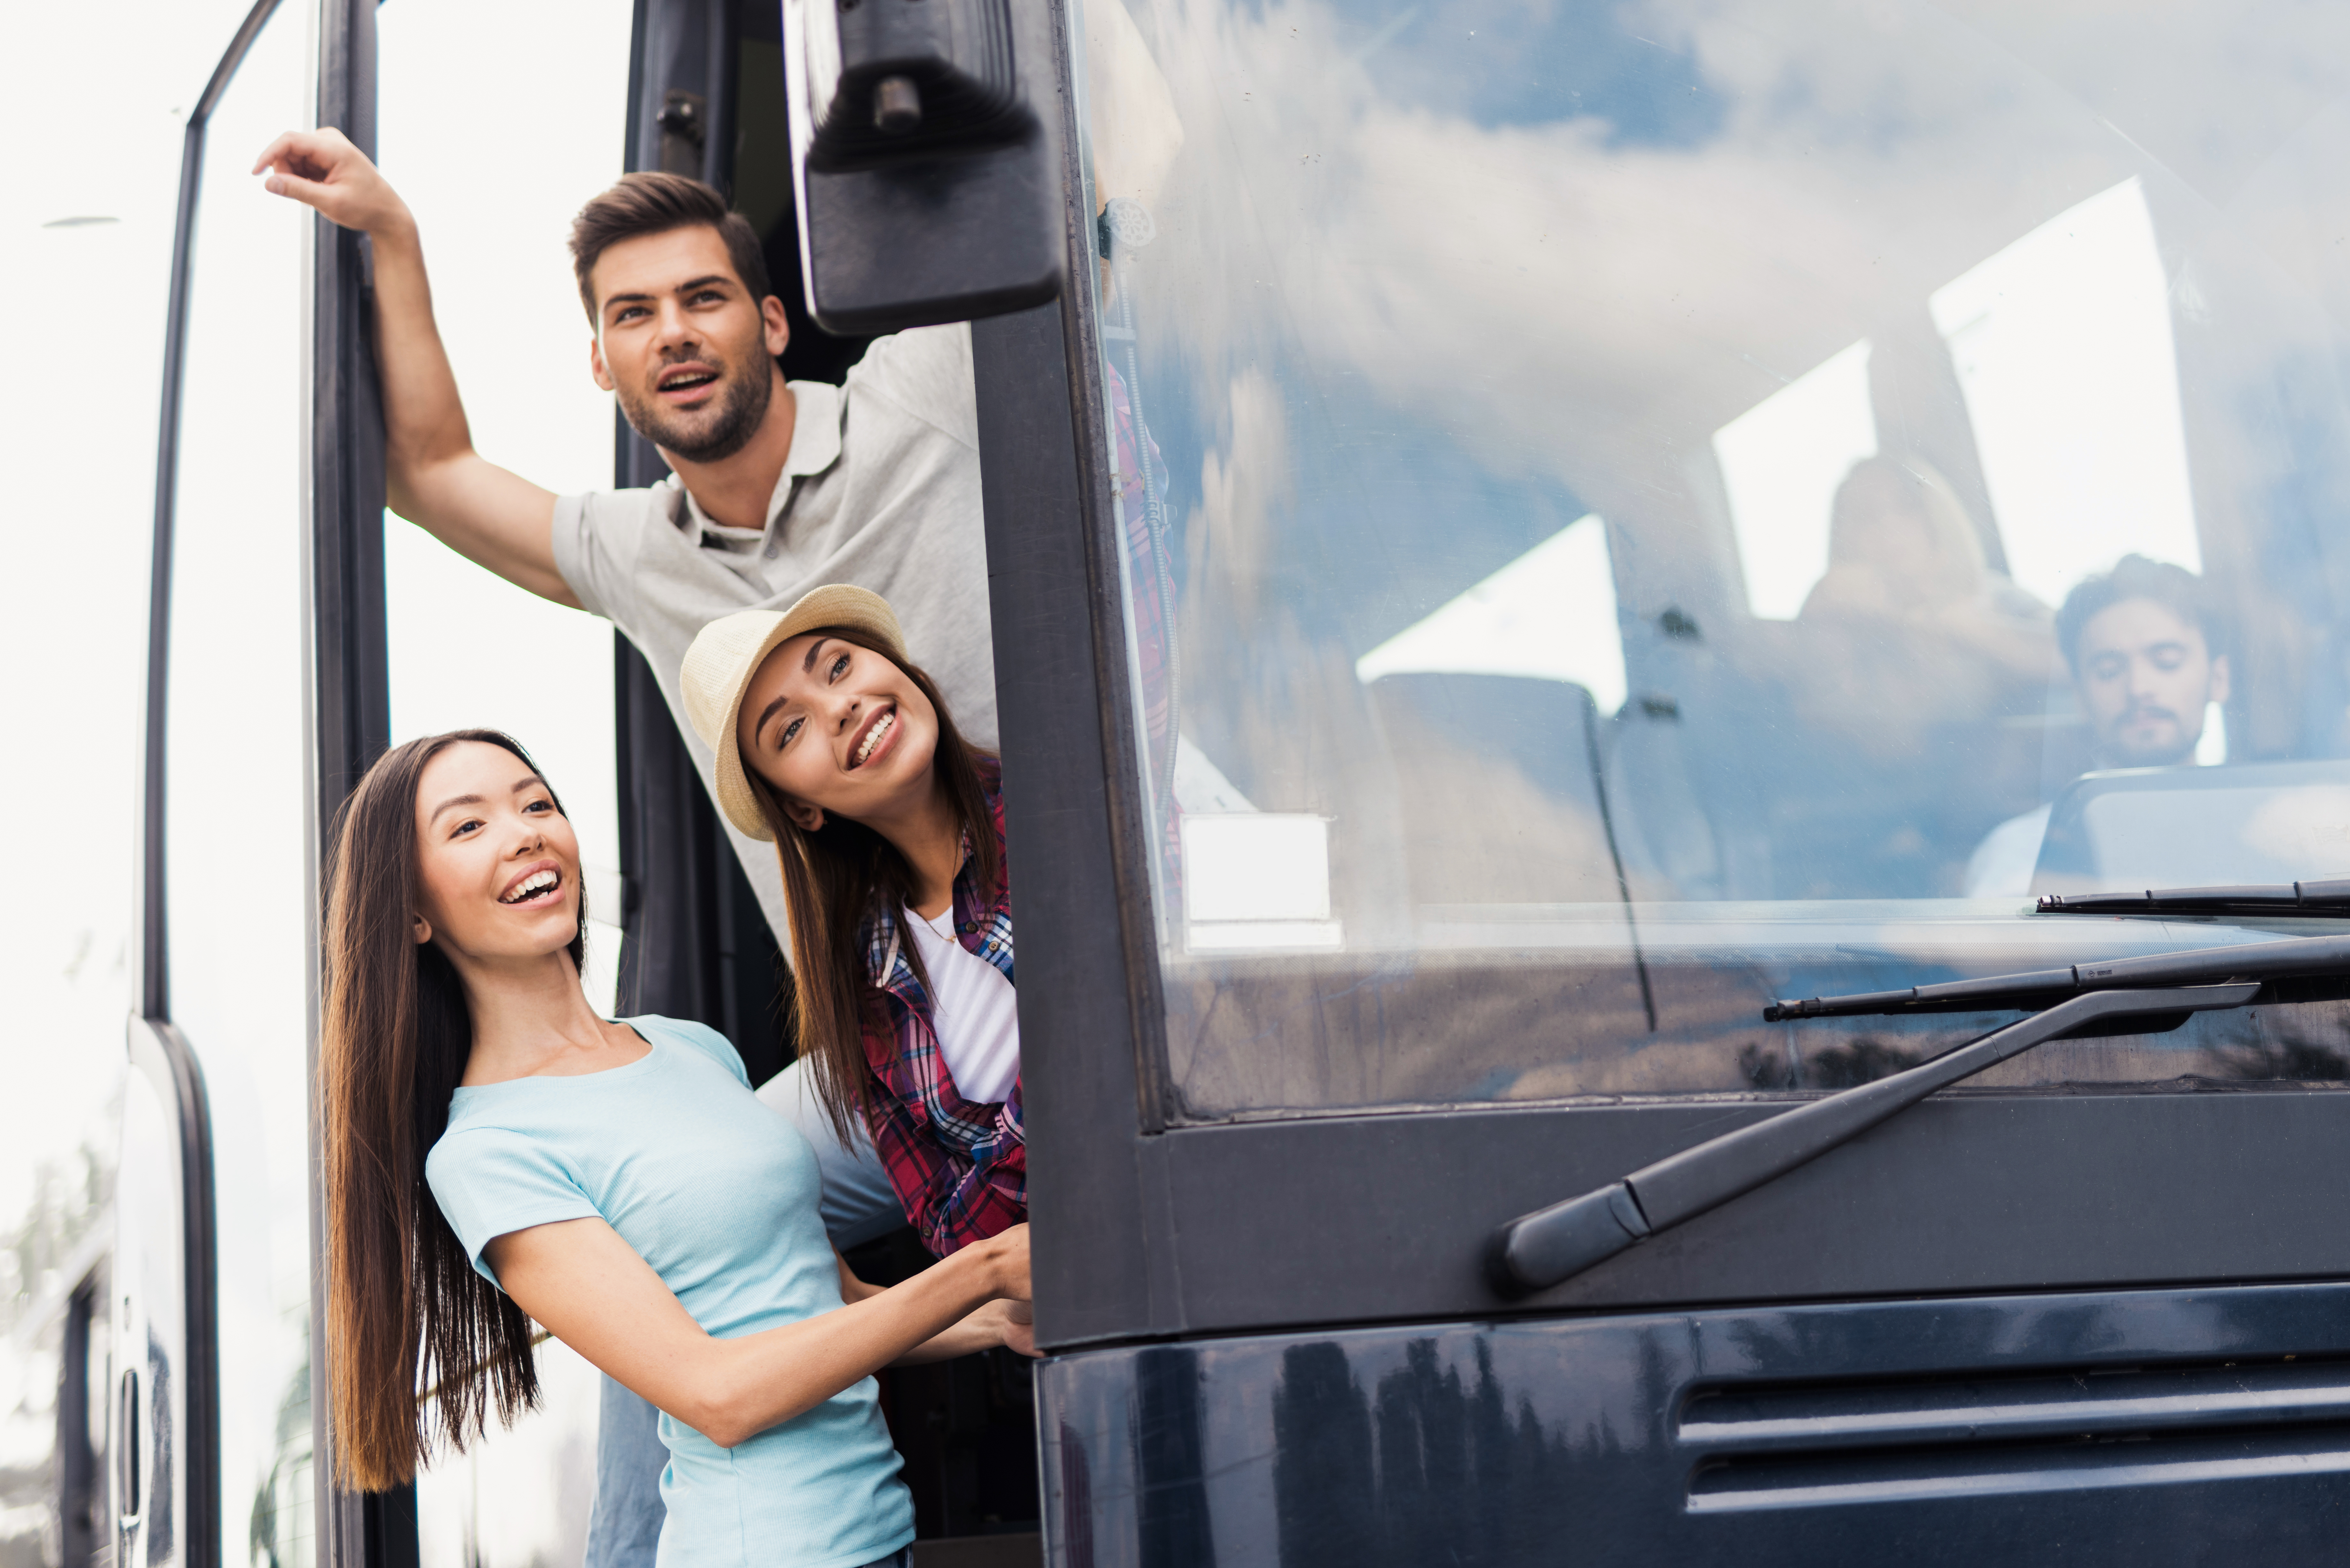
654 204
2171 585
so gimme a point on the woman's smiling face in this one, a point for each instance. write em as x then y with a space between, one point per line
499 865
832 726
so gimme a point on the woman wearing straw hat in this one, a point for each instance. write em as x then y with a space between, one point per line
889 828
495 1153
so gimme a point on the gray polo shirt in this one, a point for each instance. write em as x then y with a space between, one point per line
881 489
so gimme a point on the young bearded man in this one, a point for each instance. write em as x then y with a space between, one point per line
2148 661
776 487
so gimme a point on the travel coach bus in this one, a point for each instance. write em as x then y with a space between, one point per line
1675 682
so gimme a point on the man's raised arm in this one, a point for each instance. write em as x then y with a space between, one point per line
492 516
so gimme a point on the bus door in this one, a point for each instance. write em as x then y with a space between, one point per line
263 698
1537 537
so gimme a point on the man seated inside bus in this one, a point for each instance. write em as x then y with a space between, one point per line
2147 658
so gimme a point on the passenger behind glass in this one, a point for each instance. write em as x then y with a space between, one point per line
2148 656
1909 628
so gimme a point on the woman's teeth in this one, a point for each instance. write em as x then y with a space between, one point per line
541 882
881 726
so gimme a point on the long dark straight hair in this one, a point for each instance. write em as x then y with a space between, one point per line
842 877
406 1313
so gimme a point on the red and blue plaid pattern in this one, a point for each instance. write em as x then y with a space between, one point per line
960 1168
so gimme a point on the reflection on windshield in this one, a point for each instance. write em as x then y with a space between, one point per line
2062 343
1638 488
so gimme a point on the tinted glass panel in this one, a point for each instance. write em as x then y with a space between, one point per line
239 824
1633 509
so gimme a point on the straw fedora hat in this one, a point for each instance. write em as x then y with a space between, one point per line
728 651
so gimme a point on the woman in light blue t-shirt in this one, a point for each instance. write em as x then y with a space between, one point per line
497 1153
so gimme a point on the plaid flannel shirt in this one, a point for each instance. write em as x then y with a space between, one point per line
960 1168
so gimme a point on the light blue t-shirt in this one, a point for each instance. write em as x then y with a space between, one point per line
719 1194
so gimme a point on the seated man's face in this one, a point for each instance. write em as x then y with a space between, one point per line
2145 675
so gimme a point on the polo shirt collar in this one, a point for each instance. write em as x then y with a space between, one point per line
816 446
816 428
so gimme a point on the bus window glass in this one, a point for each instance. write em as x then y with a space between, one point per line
468 650
239 820
1633 509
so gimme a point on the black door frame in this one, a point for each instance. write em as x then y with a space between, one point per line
351 675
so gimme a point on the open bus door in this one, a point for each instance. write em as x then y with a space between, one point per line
263 698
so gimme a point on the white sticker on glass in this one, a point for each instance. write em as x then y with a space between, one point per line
1257 880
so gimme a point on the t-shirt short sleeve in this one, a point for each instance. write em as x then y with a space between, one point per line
700 1036
596 542
927 373
489 1181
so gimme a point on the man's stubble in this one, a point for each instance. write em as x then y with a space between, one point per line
706 437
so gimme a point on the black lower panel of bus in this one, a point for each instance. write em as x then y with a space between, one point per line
2142 1427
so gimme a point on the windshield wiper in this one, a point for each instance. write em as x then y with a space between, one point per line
2038 988
1537 1250
2312 898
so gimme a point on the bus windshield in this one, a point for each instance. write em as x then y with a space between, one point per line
1633 509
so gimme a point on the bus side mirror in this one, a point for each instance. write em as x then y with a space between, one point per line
926 146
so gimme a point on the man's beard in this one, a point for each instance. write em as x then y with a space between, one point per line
2123 753
741 408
